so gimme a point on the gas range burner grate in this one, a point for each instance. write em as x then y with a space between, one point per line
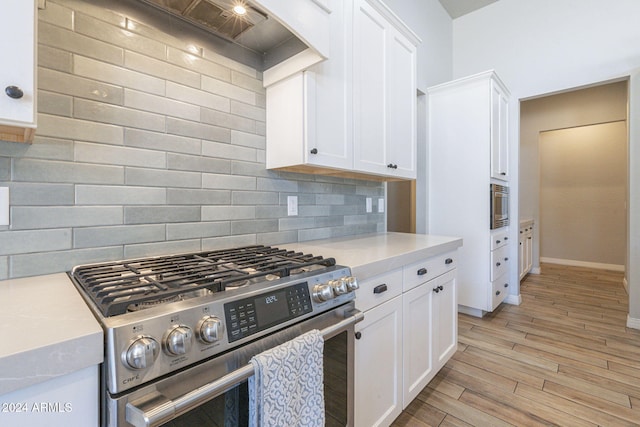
121 286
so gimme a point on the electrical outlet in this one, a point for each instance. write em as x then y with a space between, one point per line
292 205
380 205
4 205
369 205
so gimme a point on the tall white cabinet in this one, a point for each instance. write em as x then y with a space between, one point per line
18 38
468 150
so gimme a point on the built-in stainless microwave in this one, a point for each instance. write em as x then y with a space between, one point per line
499 197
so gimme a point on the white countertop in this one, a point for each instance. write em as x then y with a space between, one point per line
46 330
372 254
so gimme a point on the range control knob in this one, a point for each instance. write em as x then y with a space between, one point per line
178 340
322 292
141 353
210 329
339 286
352 283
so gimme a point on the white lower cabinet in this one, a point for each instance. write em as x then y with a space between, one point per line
525 249
378 371
408 333
67 400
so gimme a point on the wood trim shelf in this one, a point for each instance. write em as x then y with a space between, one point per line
17 134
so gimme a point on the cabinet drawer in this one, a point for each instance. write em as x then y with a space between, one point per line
427 269
379 289
499 239
499 290
499 262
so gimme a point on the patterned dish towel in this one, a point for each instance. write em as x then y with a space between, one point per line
287 387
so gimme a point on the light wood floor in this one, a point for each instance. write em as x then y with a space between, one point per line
563 357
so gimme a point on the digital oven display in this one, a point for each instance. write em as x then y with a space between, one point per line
251 315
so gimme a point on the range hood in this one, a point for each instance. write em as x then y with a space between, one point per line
254 30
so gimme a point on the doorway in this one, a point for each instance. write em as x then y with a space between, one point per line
573 175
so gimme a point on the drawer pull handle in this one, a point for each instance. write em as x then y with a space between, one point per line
506 259
422 271
506 285
506 238
314 151
380 289
436 289
498 264
448 261
497 293
358 335
497 242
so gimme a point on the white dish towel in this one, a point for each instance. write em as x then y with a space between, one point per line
287 387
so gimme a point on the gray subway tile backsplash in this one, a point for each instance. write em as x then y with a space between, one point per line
150 144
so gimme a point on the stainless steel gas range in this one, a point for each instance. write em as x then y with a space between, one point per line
180 330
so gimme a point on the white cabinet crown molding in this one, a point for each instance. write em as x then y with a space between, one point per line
395 20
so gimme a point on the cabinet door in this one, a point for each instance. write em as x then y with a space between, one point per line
17 44
499 133
400 144
417 353
522 259
528 251
369 93
328 116
445 318
378 365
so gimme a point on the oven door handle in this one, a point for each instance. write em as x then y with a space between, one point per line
152 411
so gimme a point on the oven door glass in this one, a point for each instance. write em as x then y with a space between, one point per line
231 409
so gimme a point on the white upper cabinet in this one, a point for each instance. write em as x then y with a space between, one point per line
307 115
384 90
17 73
355 113
499 132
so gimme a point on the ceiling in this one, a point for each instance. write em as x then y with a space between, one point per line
457 8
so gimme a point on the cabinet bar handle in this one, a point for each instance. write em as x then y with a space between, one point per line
448 261
380 289
422 271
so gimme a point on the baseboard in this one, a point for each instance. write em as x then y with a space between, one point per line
633 323
475 312
574 263
513 299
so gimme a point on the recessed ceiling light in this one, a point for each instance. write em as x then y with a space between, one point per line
239 9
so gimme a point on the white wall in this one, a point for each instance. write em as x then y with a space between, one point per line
583 193
598 104
544 46
431 22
